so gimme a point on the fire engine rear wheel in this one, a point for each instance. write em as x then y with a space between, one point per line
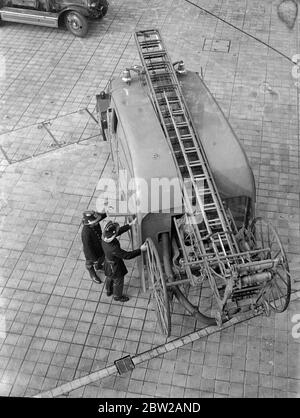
277 291
76 24
159 288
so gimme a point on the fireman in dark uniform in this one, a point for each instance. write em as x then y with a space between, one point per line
91 236
114 267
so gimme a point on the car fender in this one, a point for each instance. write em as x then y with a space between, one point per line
83 11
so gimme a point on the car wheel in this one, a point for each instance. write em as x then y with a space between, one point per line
104 11
76 24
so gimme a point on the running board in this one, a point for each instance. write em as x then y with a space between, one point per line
32 17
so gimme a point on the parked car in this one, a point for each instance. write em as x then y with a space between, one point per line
52 13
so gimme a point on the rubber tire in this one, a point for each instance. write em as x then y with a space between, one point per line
104 11
83 30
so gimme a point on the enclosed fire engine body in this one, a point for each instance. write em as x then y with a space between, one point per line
210 252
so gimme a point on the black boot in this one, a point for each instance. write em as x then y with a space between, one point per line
94 276
122 298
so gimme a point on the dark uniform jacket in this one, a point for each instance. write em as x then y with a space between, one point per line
114 255
92 241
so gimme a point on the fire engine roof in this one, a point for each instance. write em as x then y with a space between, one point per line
150 153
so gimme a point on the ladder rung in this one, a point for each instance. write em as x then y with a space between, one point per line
161 74
147 33
155 78
158 66
164 87
154 54
215 221
177 112
186 136
162 102
195 164
210 206
216 242
200 177
181 124
149 43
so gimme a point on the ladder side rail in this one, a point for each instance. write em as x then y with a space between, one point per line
197 143
216 251
202 152
171 73
158 108
200 202
216 196
190 173
185 108
186 200
181 97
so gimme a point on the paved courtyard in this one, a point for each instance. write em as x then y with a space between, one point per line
56 325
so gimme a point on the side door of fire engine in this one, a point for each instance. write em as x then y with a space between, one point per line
102 107
108 120
112 130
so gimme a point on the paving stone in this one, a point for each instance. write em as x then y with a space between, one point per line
236 390
149 388
207 385
163 390
135 386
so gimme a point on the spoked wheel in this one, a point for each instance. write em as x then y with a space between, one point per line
277 291
159 288
76 23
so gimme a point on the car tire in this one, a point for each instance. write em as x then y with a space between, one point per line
76 23
104 11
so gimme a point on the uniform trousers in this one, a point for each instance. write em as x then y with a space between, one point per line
114 285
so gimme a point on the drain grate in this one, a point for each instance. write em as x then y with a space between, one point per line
124 365
216 45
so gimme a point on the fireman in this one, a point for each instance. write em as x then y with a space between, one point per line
114 267
91 235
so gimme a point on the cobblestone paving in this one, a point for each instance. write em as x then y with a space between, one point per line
55 324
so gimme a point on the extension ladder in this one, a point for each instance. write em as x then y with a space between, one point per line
214 235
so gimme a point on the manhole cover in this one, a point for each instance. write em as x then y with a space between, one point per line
216 45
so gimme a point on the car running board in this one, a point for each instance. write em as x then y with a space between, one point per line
33 17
